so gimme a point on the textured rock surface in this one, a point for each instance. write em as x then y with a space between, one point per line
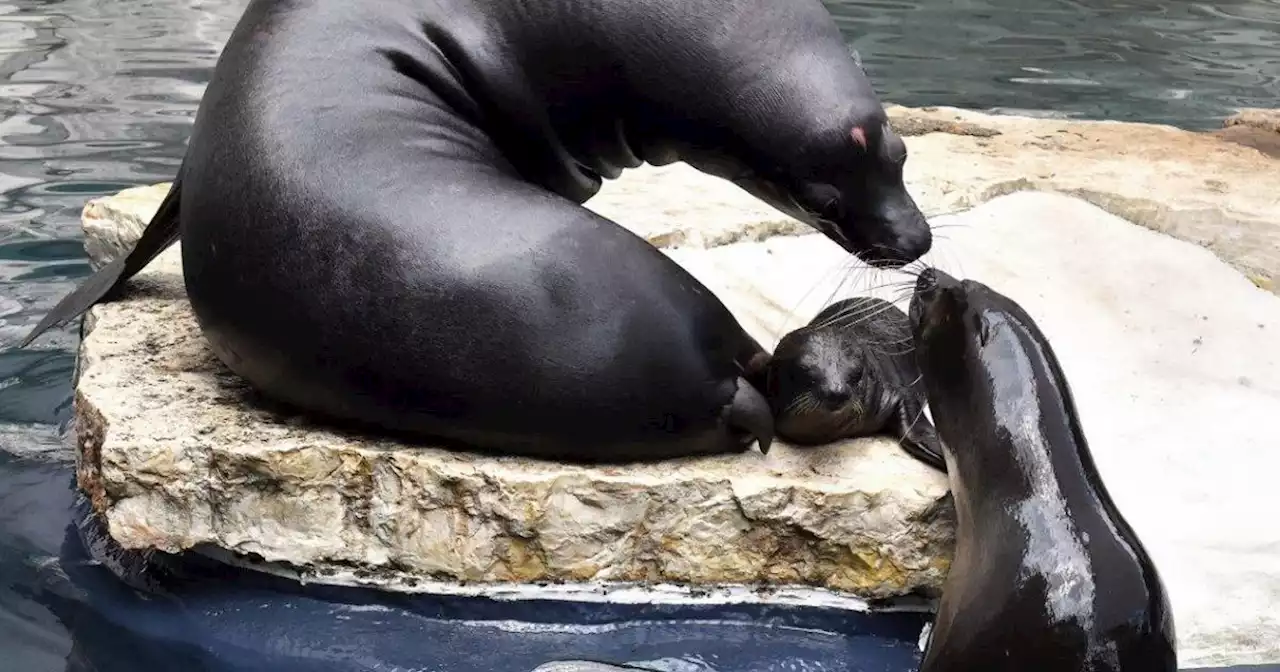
176 452
1206 188
1219 189
1259 129
112 225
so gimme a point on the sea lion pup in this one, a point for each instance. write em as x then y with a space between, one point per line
851 372
380 213
1047 574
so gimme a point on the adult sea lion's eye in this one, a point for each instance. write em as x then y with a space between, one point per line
831 209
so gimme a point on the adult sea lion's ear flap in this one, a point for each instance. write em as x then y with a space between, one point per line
749 412
858 135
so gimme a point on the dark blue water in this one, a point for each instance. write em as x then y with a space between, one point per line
97 95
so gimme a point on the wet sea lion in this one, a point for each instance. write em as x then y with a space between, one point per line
1047 574
851 372
380 211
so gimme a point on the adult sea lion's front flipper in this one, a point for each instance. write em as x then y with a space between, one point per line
749 412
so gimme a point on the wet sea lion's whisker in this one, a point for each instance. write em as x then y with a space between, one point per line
911 426
895 353
802 404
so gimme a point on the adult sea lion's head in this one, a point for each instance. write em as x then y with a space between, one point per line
845 179
984 361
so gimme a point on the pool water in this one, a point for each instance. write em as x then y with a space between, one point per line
1162 61
97 95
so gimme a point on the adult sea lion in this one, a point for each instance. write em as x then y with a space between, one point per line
1047 574
380 211
851 372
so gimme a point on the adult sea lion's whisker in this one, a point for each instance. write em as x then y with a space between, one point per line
782 328
852 314
865 315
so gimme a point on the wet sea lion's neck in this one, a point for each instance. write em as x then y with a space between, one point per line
1034 451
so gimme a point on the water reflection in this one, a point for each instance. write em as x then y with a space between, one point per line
98 95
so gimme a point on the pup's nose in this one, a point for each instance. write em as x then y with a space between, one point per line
835 396
927 280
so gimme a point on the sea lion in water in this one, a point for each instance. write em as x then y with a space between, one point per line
851 372
1047 574
381 222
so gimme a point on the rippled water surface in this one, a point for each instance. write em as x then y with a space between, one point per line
1164 61
98 95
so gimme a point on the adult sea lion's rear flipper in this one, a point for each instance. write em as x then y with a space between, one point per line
917 435
749 412
160 233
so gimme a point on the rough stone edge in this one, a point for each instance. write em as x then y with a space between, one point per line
613 592
112 224
920 580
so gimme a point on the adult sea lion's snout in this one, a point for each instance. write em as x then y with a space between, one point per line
890 235
856 195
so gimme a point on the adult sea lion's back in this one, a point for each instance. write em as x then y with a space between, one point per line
378 209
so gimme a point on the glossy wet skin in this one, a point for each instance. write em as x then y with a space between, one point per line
1047 574
972 343
985 372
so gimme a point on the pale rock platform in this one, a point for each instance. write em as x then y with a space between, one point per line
177 455
1218 189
